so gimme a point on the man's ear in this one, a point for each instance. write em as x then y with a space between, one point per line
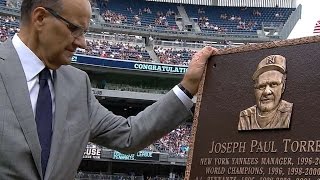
38 17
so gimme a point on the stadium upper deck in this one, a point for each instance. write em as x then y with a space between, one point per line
206 19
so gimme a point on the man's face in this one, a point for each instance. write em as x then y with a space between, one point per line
57 42
268 90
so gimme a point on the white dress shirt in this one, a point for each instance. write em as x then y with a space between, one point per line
183 97
32 66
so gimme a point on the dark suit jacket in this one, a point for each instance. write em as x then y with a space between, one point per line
79 118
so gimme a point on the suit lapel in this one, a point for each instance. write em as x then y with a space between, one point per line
16 86
61 101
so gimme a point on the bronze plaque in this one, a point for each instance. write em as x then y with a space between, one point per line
258 114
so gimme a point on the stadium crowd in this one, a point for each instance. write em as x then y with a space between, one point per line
115 50
176 143
8 27
173 55
204 23
121 47
143 17
114 18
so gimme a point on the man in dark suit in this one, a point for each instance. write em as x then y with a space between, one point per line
47 111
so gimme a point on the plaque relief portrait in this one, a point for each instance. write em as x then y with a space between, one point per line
270 111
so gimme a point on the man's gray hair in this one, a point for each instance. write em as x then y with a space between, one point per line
28 6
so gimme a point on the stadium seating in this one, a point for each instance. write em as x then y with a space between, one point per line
140 13
176 143
9 26
173 55
236 19
124 48
211 19
115 50
3 2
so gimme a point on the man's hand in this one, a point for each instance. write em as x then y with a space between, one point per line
196 67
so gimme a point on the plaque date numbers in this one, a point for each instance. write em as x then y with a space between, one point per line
304 172
275 171
305 161
295 171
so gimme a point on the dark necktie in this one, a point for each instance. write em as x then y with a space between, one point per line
44 117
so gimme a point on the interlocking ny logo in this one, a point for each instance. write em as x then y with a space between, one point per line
271 60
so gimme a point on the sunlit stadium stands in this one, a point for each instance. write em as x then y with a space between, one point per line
140 13
211 19
237 19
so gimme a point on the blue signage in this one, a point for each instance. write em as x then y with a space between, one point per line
129 65
141 155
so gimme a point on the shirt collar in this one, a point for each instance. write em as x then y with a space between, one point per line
31 64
